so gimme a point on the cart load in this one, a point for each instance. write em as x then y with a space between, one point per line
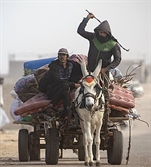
121 100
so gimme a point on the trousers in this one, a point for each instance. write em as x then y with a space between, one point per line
59 92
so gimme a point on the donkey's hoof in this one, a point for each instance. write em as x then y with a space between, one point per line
98 163
86 164
91 163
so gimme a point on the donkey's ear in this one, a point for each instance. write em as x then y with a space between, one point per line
98 68
83 67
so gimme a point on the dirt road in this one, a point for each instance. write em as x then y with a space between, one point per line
140 153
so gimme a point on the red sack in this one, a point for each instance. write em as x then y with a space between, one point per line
121 97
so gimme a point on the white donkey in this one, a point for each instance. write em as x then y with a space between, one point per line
87 103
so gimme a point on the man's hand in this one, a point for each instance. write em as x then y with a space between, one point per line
77 85
90 16
103 70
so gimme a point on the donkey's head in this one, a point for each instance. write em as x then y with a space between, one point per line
90 87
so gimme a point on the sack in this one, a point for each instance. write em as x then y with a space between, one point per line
15 104
77 57
121 97
26 87
40 72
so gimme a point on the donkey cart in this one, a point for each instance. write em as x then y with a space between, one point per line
49 133
87 117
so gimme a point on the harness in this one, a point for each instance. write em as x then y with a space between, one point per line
97 96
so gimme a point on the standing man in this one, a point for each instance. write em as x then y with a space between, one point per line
102 45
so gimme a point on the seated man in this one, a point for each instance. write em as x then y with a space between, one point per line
63 75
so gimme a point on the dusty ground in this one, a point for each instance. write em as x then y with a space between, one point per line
140 155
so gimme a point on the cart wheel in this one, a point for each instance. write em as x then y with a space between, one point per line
23 149
115 148
52 146
34 141
81 153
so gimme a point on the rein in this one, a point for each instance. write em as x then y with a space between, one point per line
90 95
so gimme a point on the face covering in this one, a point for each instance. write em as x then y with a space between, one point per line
102 39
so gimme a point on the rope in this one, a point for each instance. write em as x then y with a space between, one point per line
119 43
143 121
129 143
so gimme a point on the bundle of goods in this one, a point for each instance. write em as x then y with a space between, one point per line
38 103
31 66
121 99
27 86
77 57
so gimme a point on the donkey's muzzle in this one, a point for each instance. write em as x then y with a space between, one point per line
89 106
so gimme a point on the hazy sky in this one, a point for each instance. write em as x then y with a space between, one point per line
31 26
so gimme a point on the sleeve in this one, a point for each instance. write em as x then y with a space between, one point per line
81 30
76 74
44 82
116 51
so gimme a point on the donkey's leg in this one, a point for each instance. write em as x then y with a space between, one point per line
89 141
85 143
98 142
